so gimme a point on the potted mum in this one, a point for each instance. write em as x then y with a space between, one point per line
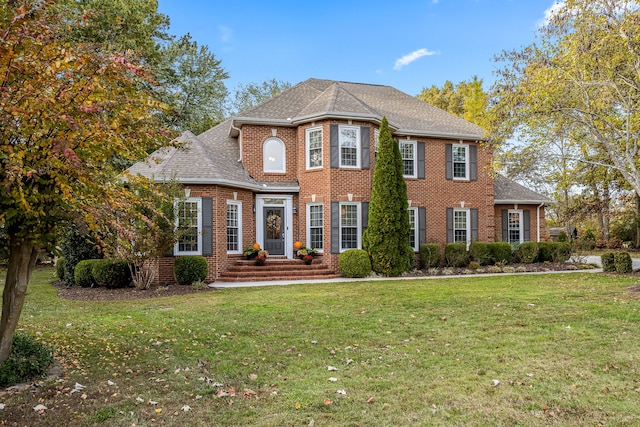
251 252
308 259
261 257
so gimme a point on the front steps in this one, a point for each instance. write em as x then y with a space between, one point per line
276 269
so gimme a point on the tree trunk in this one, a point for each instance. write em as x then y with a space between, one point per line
606 213
23 254
637 220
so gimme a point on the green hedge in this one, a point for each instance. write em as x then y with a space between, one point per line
608 265
501 252
480 252
354 263
545 251
430 255
83 273
455 255
561 251
111 273
622 262
527 252
29 359
189 269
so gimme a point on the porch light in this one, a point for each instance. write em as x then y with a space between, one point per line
187 192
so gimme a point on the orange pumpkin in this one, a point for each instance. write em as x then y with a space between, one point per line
297 245
256 246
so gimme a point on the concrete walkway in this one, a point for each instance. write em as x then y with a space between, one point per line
224 285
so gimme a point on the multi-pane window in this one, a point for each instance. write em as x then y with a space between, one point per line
460 162
413 222
234 212
188 215
349 226
376 140
515 226
273 155
461 225
349 137
315 221
408 152
314 148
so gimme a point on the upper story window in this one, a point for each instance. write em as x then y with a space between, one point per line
460 156
408 153
314 147
188 217
274 155
349 142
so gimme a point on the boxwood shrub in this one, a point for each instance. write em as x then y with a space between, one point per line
608 265
354 263
111 273
561 251
528 252
501 252
545 251
83 273
622 262
29 359
455 255
480 252
60 266
430 255
189 269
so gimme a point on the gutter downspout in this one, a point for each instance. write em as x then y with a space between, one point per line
239 139
538 219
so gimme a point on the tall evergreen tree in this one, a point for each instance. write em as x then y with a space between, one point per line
387 235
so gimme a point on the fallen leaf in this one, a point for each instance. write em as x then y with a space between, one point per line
298 405
248 393
153 402
332 368
342 392
186 408
333 379
40 408
253 377
327 401
1 406
139 399
495 382
109 382
158 410
78 387
371 399
312 423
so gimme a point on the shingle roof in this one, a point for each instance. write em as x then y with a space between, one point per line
507 191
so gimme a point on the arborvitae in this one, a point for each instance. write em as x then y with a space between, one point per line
387 235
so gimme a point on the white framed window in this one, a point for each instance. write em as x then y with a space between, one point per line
314 147
461 226
188 221
376 140
234 227
350 226
349 142
408 153
460 157
274 155
315 226
515 234
413 227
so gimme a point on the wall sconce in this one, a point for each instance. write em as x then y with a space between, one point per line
254 209
187 192
295 210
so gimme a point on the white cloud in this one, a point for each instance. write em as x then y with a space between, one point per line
554 10
409 58
225 33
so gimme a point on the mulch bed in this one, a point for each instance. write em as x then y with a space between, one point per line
104 294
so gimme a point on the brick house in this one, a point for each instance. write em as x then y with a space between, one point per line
299 167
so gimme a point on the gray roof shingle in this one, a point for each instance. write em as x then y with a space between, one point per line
507 191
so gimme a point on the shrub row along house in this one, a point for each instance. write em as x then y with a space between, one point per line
299 167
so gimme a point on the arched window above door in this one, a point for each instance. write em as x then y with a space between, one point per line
274 155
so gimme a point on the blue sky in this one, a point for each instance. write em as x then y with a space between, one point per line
405 44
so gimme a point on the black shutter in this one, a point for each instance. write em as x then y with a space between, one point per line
334 146
526 224
449 225
474 225
473 162
364 208
421 160
335 227
505 225
365 147
422 226
207 226
449 161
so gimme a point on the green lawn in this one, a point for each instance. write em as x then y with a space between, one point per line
565 349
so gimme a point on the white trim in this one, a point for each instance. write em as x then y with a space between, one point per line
416 228
415 157
308 244
237 203
283 153
359 224
287 203
466 162
176 204
307 157
520 224
468 223
358 147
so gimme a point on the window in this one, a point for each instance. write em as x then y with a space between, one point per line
349 226
376 140
515 226
188 215
234 227
408 153
273 155
461 226
413 225
460 161
315 226
349 142
314 147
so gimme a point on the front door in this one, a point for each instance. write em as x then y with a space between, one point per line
274 230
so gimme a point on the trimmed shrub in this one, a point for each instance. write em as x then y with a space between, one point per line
455 255
561 251
355 263
562 236
545 251
83 274
111 273
607 260
480 252
60 268
76 248
622 262
29 359
189 269
501 252
528 252
430 255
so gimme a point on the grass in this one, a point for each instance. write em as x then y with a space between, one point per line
564 348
